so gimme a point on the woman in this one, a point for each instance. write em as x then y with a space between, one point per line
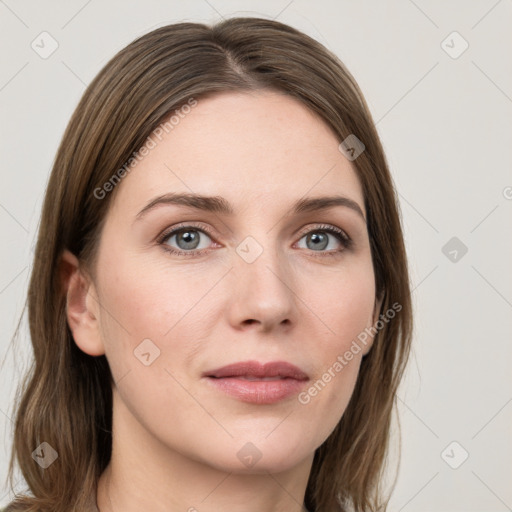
219 304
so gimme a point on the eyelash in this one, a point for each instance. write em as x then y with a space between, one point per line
345 240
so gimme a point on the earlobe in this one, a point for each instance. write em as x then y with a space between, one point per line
82 309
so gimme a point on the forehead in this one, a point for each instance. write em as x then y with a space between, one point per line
246 147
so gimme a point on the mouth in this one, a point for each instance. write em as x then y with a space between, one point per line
259 371
257 383
252 378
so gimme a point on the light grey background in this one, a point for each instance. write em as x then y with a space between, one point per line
446 126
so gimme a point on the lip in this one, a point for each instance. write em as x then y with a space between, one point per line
258 383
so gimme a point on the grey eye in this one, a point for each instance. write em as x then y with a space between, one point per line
187 239
318 240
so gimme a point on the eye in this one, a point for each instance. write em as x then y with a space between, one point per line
190 240
326 238
185 240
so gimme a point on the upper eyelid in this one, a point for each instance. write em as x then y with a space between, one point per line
322 226
184 225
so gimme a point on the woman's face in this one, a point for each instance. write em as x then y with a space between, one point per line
250 277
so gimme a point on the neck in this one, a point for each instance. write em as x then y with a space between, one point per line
143 474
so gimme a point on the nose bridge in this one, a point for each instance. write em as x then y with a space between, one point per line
263 282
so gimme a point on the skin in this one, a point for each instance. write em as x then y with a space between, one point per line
175 437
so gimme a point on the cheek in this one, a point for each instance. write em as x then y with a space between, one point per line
340 304
154 320
150 301
344 310
148 327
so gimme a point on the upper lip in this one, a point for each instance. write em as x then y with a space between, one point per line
259 370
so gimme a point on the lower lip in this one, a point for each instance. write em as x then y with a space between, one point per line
257 391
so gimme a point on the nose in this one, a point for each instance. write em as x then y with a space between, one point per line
263 296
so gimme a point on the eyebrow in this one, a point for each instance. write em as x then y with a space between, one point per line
217 204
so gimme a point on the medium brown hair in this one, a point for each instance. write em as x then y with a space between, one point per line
66 399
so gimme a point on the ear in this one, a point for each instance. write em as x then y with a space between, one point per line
82 306
375 317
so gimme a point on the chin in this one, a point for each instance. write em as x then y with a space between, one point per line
243 456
